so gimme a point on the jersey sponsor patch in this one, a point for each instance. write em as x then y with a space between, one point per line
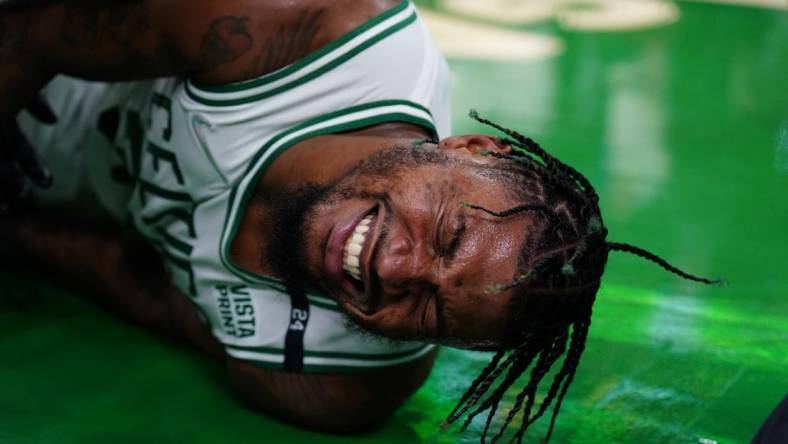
236 310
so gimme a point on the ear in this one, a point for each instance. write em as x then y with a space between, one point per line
475 144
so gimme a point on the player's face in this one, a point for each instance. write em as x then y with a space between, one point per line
404 258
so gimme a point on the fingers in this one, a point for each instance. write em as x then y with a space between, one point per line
19 161
12 184
41 111
18 151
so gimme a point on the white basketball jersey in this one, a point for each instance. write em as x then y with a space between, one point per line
179 161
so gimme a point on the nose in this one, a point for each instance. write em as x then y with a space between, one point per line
403 266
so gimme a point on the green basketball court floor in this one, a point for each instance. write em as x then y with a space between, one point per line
682 124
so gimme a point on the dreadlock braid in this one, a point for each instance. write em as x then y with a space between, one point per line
493 401
510 364
473 396
511 211
475 384
561 266
556 384
546 359
573 359
649 256
530 145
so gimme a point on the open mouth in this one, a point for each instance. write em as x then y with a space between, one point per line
354 245
349 256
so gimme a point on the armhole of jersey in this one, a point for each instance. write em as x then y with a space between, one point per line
311 66
349 119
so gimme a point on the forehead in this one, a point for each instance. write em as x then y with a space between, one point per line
438 166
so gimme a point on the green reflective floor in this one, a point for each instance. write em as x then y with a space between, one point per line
684 130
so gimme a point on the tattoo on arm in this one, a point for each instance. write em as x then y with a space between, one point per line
291 42
227 39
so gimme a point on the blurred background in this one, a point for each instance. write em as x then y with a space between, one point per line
676 111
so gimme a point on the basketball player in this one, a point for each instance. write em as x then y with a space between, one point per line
284 183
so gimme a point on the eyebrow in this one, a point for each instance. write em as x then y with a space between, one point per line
454 243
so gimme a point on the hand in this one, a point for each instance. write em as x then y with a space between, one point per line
18 159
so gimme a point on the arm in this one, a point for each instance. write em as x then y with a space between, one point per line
103 40
106 40
128 278
118 40
210 41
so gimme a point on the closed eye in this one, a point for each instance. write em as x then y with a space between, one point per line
433 303
440 317
425 314
454 242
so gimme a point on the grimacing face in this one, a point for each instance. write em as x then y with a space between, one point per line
425 261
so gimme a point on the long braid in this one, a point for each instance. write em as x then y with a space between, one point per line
649 256
559 346
554 387
546 359
534 148
511 211
531 145
518 369
487 382
526 392
572 360
568 252
494 399
523 160
475 384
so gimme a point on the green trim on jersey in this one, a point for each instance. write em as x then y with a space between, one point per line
352 118
311 66
322 302
327 361
334 354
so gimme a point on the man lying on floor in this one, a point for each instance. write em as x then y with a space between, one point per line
289 165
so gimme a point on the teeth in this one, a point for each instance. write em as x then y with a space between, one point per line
353 248
357 238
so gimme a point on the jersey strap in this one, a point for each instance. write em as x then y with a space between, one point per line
294 338
311 66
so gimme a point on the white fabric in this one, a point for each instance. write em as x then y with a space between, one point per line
193 153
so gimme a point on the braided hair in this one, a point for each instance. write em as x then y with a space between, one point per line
553 293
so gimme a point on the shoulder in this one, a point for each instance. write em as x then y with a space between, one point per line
232 41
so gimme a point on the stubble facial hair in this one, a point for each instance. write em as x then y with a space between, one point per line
287 214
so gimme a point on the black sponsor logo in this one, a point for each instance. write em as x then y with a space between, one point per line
236 310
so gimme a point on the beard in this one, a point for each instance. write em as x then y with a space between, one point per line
288 216
288 213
